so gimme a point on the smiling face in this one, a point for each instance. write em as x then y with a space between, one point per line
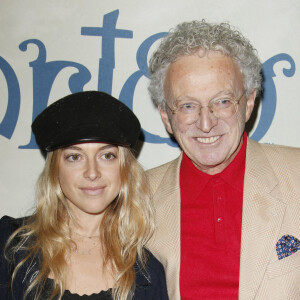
89 176
210 142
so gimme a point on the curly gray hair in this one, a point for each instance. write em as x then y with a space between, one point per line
187 38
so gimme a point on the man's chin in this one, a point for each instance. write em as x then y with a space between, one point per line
209 165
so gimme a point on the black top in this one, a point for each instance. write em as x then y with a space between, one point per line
103 295
150 282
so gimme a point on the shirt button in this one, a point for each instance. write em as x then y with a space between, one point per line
219 198
219 219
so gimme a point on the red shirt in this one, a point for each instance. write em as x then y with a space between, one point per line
211 221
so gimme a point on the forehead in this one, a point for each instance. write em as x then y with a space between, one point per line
203 74
90 146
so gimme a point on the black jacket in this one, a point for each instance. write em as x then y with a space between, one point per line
150 283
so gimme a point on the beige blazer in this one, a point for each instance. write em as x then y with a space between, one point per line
271 209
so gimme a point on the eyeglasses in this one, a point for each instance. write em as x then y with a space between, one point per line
222 108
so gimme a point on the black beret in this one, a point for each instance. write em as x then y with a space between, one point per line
89 116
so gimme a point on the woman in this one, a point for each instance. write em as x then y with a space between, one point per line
93 215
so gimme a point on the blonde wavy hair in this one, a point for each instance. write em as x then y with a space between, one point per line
126 226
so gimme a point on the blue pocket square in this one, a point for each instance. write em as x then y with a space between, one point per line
287 245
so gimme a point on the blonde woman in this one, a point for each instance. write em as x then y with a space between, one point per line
93 215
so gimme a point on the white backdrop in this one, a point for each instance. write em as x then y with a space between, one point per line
60 38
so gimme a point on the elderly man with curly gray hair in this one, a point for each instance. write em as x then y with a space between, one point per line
228 224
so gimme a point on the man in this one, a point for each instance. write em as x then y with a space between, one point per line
228 213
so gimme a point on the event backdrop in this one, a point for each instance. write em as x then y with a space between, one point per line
49 49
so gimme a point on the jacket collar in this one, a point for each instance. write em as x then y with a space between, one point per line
263 212
143 277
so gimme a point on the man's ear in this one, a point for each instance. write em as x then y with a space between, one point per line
250 104
165 118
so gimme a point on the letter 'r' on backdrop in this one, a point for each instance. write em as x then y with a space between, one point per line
49 49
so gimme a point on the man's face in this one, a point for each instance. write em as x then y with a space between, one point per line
210 142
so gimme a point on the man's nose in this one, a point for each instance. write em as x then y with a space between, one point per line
206 119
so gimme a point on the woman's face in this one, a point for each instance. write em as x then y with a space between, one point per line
89 176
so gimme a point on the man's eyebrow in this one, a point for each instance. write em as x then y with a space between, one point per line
225 93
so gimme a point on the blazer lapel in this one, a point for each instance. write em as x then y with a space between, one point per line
263 212
165 244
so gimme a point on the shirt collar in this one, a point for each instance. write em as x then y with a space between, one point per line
234 173
193 181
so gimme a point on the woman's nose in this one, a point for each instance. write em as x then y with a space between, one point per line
92 170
